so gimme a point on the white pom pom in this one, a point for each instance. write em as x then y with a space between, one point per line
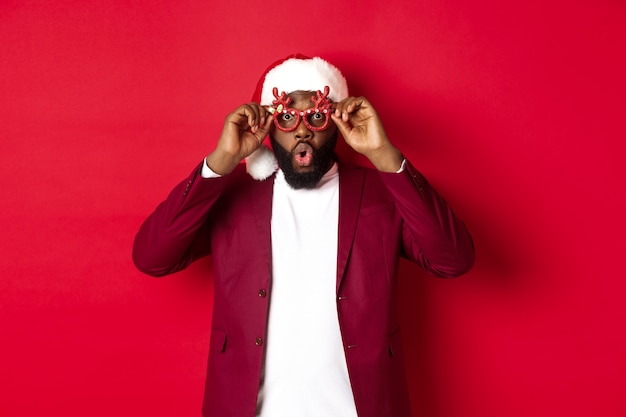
262 163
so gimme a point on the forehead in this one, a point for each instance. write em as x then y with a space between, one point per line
301 97
301 100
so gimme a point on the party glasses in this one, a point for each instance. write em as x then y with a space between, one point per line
288 119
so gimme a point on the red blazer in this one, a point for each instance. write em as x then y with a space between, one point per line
381 217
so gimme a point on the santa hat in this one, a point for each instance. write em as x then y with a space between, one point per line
294 73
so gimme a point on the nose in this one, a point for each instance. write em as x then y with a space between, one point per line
302 132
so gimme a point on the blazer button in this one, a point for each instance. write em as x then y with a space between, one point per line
262 293
258 341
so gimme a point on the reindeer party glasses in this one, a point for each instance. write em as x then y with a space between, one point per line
288 119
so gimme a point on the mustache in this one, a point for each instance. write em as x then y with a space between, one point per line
301 141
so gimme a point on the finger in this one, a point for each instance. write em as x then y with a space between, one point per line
344 127
254 119
243 116
264 129
265 114
340 106
353 107
253 116
348 107
261 116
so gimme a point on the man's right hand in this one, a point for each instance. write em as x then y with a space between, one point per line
243 132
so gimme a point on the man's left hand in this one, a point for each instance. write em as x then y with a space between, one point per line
363 131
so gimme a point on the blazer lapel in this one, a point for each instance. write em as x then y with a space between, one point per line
261 197
350 191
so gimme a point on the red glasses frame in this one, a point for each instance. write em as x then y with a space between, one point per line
280 107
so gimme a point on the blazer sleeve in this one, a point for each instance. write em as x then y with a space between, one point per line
432 235
171 238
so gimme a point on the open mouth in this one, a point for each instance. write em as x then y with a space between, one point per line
303 154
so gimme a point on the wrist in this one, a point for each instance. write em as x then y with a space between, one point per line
221 163
387 159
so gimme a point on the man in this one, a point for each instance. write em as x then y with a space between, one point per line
305 253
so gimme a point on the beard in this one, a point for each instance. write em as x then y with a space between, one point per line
323 158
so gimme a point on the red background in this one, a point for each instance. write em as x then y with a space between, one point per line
514 111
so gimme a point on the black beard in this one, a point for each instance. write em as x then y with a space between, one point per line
323 159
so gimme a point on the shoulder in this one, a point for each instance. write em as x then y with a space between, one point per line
351 172
241 178
239 186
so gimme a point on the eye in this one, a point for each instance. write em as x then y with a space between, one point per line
287 120
317 119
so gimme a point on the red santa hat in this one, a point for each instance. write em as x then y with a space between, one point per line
293 73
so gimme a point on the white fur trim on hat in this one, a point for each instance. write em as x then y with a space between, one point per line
304 75
261 164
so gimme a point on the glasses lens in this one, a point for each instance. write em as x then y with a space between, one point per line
317 119
287 120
